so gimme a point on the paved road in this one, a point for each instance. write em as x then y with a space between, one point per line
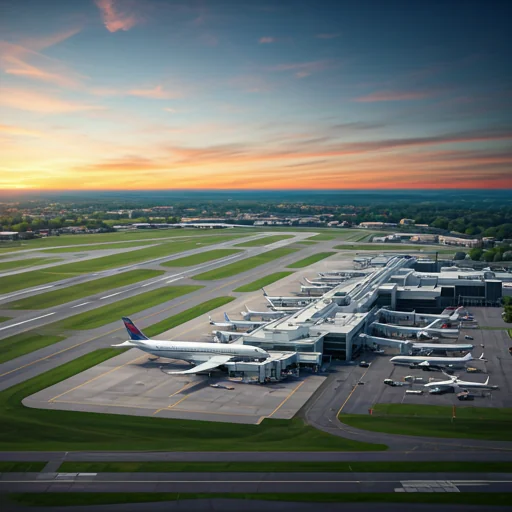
254 482
299 456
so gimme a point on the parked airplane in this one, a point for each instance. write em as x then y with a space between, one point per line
236 324
206 356
321 284
432 360
265 315
457 383
226 336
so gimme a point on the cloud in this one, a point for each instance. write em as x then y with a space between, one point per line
116 14
303 69
171 110
25 99
328 36
40 43
266 40
394 96
18 130
157 93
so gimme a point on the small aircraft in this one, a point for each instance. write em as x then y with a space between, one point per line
457 383
237 324
265 315
206 356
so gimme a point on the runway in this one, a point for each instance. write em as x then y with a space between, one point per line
255 482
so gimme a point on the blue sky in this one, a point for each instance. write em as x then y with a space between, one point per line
246 94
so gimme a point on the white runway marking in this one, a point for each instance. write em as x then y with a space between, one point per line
25 321
78 305
113 295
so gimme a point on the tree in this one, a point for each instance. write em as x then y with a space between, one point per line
497 257
476 253
507 256
459 255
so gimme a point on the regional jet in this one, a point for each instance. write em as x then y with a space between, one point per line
236 324
265 315
426 361
206 356
456 383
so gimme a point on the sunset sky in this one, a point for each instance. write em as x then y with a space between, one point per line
243 94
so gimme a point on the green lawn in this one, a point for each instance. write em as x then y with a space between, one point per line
64 295
112 312
42 429
244 265
196 259
267 240
264 281
39 277
4 319
26 342
185 316
21 263
100 247
310 260
284 467
306 242
436 421
382 247
21 467
56 499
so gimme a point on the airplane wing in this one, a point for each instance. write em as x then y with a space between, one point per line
212 363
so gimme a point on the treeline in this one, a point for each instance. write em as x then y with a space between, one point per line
501 253
27 223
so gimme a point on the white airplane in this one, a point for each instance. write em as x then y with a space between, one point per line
320 284
206 356
427 361
236 324
265 315
289 301
226 336
457 383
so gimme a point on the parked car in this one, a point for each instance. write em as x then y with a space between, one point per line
364 364
465 396
470 369
467 337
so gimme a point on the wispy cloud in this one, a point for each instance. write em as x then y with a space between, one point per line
18 130
40 43
25 99
266 40
394 96
117 14
332 35
304 69
157 93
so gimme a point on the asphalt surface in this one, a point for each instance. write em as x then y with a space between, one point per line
254 482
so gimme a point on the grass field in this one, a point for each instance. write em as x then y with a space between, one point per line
29 262
26 342
4 319
39 277
310 260
322 237
56 499
203 257
306 242
100 247
185 316
112 312
39 429
21 467
284 467
383 247
435 421
64 295
267 240
264 281
244 265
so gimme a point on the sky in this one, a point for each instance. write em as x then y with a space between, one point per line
244 94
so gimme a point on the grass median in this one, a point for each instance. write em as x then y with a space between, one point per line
310 260
202 257
70 293
435 421
21 467
42 429
264 281
101 247
56 273
267 240
4 319
285 467
62 499
26 342
5 266
244 265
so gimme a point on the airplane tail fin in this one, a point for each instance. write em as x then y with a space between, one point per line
264 292
134 332
468 357
487 381
226 317
210 319
481 357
